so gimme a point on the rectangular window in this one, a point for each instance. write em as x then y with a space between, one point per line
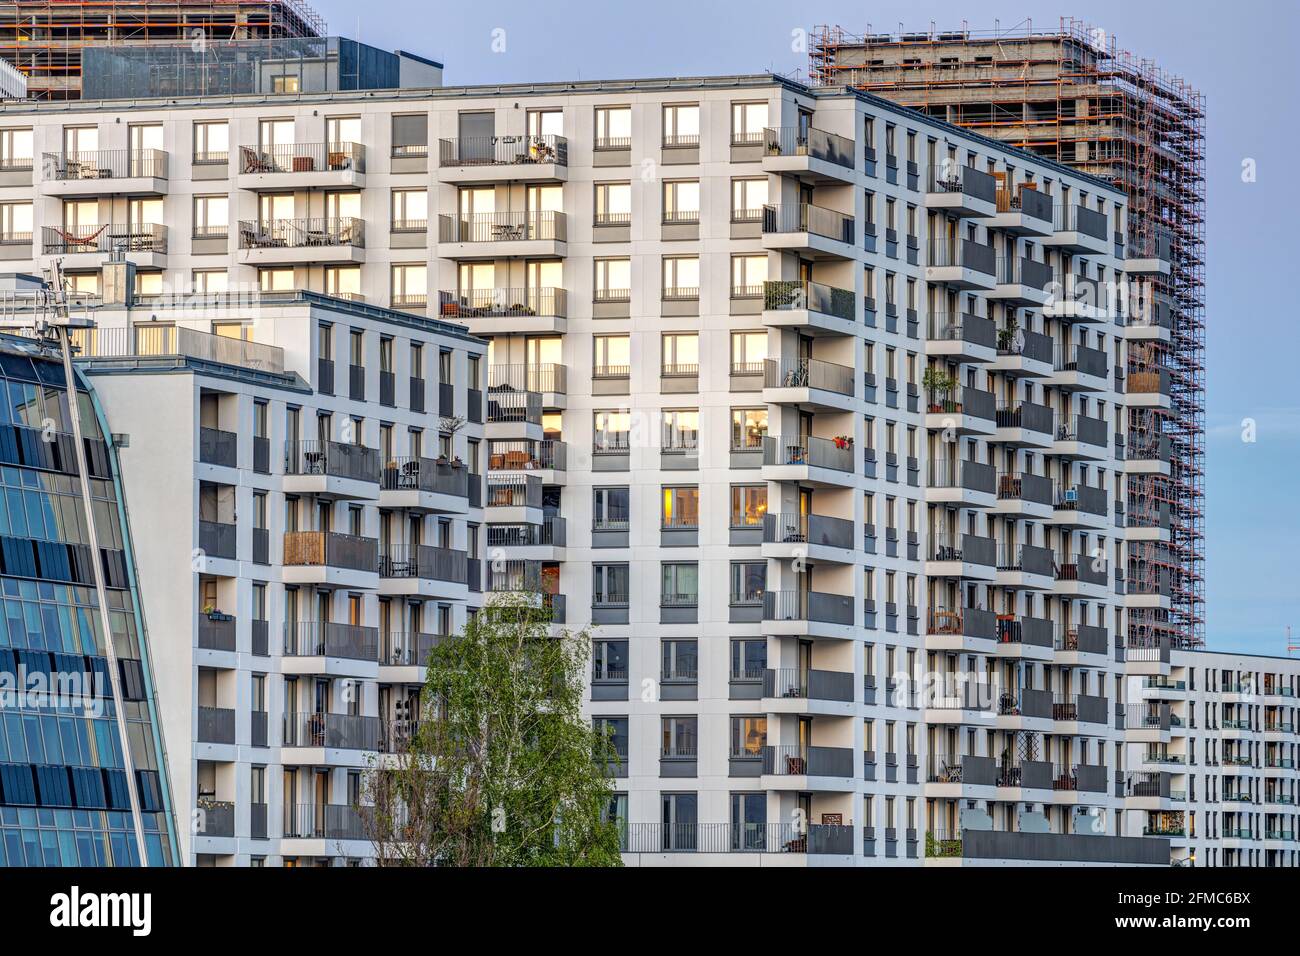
410 210
613 204
211 144
680 585
611 430
15 149
681 125
680 735
748 505
610 509
410 135
211 217
748 734
680 353
748 352
748 197
613 280
608 660
16 223
613 127
682 201
747 123
748 273
680 660
681 277
609 585
681 507
611 356
681 429
748 582
748 428
410 284
748 658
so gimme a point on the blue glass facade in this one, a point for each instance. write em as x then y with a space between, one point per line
64 798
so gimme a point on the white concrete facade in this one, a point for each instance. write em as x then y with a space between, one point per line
812 407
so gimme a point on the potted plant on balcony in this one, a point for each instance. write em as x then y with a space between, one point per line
939 385
1007 335
214 613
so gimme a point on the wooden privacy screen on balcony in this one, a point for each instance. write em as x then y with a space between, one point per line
304 547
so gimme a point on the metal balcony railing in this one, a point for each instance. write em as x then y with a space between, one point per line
1076 218
805 217
503 303
507 406
834 454
808 529
961 473
517 150
332 459
961 621
961 400
352 642
106 164
527 455
796 760
170 340
104 238
539 377
423 561
788 294
806 141
425 474
324 821
962 253
814 606
308 233
809 373
303 158
513 491
403 648
331 549
952 177
807 684
960 327
1022 486
503 227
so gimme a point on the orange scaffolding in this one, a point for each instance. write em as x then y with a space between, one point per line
44 38
1072 95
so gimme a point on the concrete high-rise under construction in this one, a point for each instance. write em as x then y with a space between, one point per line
44 38
1072 95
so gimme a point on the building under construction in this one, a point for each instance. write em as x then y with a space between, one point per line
44 38
1072 95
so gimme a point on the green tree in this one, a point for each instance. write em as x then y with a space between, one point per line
501 769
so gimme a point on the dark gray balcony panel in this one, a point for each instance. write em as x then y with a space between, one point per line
1089 221
961 327
1028 415
965 253
979 550
1092 709
1092 778
1036 204
744 766
1036 560
1034 274
1036 489
822 530
333 459
679 614
678 689
217 539
1064 847
1087 360
793 760
611 538
342 731
216 725
611 461
792 683
679 537
808 606
316 639
745 613
609 615
1035 703
1090 639
745 688
1037 632
215 818
1092 500
216 633
1036 775
677 767
609 690
740 537
217 447
978 771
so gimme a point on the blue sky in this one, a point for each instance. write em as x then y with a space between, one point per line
1242 56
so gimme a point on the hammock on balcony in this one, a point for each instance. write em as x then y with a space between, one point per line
72 240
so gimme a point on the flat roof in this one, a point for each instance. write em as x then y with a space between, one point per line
638 85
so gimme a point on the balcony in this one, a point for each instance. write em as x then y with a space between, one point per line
548 458
544 541
1026 212
1023 353
1149 387
302 242
812 156
809 384
502 235
423 571
1081 644
1024 567
86 247
1079 230
961 409
792 690
328 824
1021 282
217 539
168 341
960 337
795 766
217 447
503 159
331 469
514 498
403 656
213 819
957 190
424 485
513 415
328 557
1024 495
215 725
990 847
1080 709
959 556
960 482
1150 256
1082 575
105 172
299 166
807 613
1078 299
548 379
1079 506
815 839
328 647
1078 368
811 307
788 537
961 264
822 462
815 232
1023 424
1026 638
489 312
1081 437
318 732
960 629
216 632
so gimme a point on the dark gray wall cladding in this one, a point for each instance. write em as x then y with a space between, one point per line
1064 847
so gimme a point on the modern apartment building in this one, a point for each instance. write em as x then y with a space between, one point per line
810 405
73 764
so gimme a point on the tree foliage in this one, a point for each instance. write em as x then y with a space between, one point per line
502 769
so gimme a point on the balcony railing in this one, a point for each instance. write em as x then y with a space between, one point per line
423 561
216 725
961 473
960 327
952 177
815 606
961 400
809 373
527 455
330 549
216 632
962 253
513 491
503 227
519 150
105 238
806 141
503 303
552 532
795 760
809 451
404 649
808 529
1022 486
324 821
170 340
332 459
1028 415
352 642
1076 218
539 377
787 294
310 233
815 838
962 621
106 164
507 406
805 217
1090 431
425 474
801 684
303 158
